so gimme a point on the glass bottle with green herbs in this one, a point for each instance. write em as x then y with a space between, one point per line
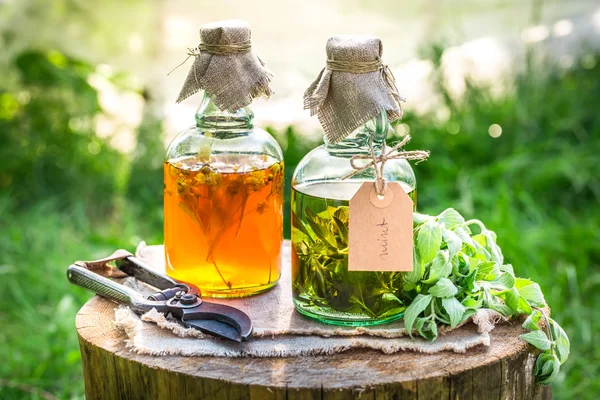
223 195
323 288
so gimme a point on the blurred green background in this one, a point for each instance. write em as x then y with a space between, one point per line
519 151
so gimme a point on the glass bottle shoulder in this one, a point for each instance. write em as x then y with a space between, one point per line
252 141
227 138
320 174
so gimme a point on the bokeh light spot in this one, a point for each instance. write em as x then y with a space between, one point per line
535 34
402 130
453 127
94 148
495 130
588 61
596 19
562 27
566 61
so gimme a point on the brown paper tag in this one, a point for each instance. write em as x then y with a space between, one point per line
380 229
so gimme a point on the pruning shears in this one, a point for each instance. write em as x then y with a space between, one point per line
179 299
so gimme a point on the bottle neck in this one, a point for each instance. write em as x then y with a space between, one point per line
360 140
209 118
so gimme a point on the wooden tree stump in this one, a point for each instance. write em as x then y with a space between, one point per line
503 370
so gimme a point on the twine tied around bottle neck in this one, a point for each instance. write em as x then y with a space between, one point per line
225 49
216 49
363 67
378 161
354 87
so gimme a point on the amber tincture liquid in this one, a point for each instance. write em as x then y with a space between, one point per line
224 222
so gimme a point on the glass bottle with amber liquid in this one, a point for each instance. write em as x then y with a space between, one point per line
223 199
223 204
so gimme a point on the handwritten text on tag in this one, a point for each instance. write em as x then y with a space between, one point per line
380 230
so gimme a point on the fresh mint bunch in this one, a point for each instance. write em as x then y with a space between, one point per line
456 272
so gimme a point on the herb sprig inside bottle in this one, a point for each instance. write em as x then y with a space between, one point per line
224 177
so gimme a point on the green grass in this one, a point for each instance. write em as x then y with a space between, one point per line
40 351
537 186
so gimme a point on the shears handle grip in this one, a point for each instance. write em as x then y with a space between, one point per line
83 277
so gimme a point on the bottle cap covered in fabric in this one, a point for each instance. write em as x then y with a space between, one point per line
353 88
226 68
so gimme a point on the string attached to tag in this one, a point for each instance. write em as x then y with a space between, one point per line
378 161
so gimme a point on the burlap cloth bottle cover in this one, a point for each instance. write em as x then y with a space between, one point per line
226 68
344 96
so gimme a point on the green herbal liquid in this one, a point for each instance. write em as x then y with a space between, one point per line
322 286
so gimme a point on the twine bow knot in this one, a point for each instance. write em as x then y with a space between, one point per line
378 161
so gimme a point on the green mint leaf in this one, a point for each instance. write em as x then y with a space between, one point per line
546 368
443 288
391 312
508 268
419 218
429 240
342 229
511 299
563 345
322 248
474 263
484 269
539 362
470 302
531 323
433 329
299 237
427 328
299 225
419 324
450 218
415 276
469 312
479 242
319 227
499 306
465 236
454 309
342 213
501 283
457 267
504 281
531 292
522 282
524 307
492 247
325 214
420 303
300 246
440 267
452 240
537 339
469 282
